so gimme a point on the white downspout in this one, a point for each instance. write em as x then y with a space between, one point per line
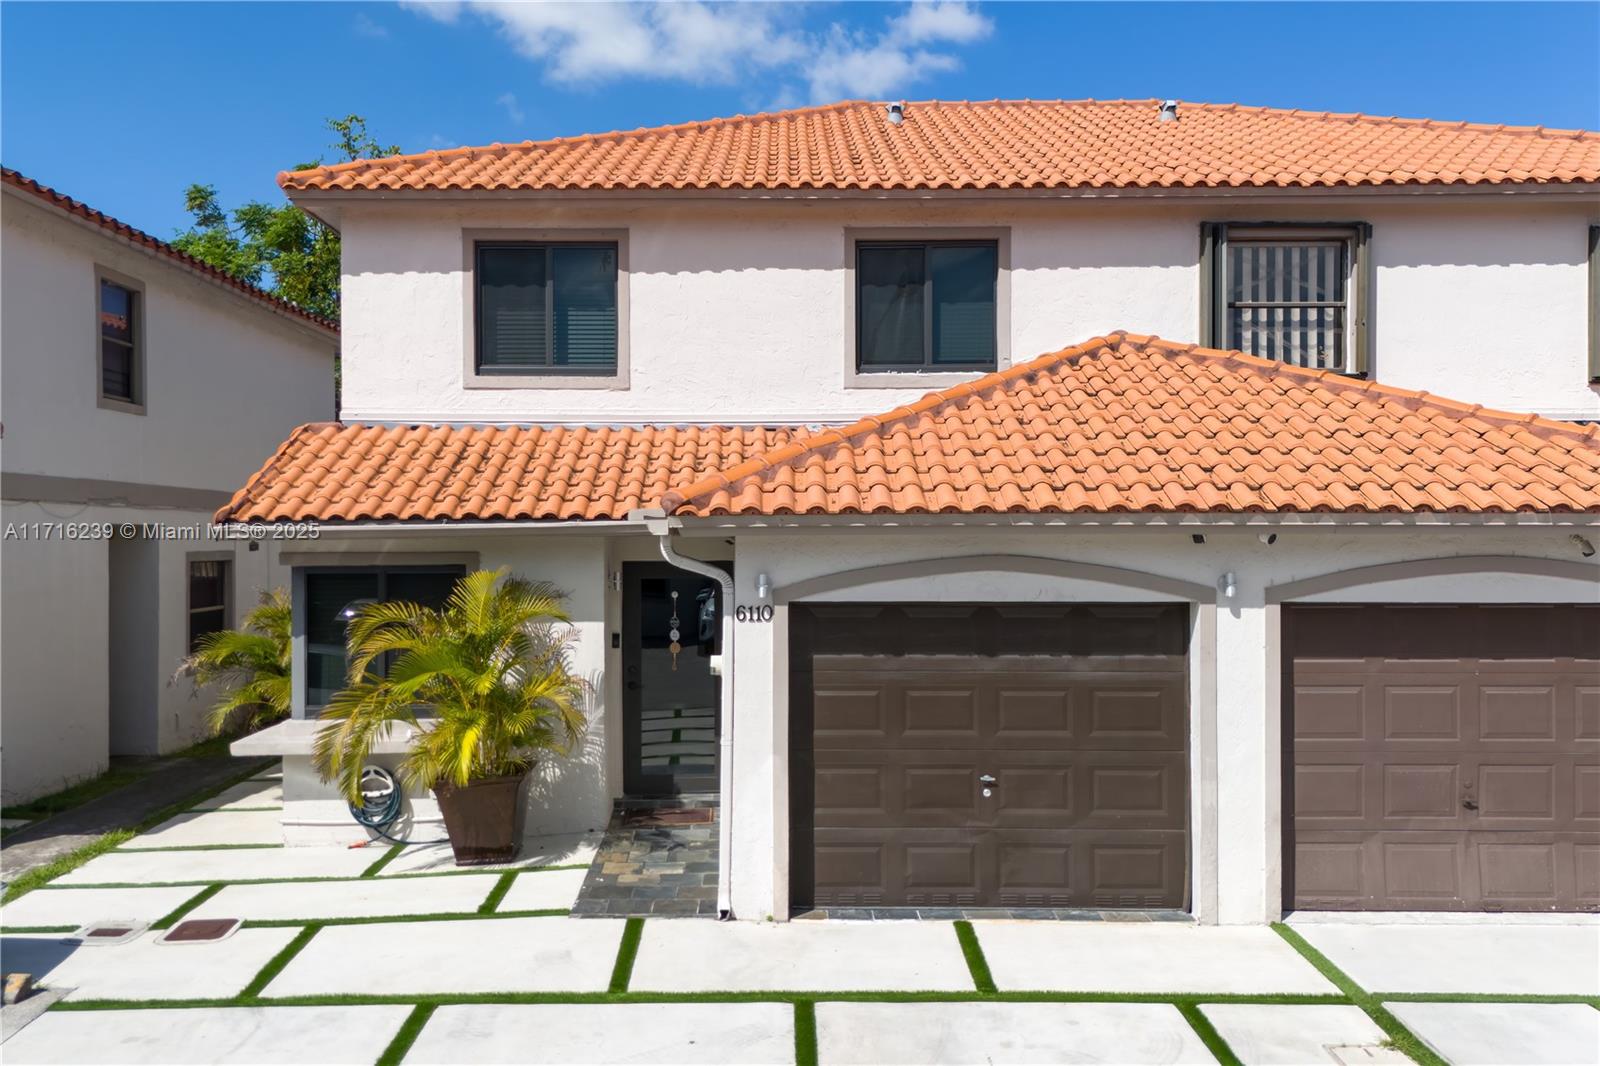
724 713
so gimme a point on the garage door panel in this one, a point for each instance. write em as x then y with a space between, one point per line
1085 740
1469 782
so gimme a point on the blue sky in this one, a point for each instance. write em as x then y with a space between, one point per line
123 105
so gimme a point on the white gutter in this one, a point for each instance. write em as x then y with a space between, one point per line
661 526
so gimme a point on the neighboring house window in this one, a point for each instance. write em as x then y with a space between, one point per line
547 308
926 305
1295 294
332 596
208 598
119 344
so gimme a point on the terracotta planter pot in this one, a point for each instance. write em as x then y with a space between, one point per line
484 819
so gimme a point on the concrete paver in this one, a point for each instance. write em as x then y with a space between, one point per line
1269 1034
230 864
474 955
79 906
1493 958
201 828
650 1034
247 794
347 899
1119 957
143 969
1491 1034
539 890
565 850
209 1035
913 1034
798 956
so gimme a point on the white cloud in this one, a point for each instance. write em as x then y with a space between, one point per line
513 109
710 43
365 27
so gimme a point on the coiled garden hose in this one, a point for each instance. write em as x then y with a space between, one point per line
381 802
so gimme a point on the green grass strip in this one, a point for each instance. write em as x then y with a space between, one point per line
1483 997
42 928
395 1053
497 893
805 1033
383 860
401 919
43 875
627 951
168 921
355 999
276 964
309 880
1403 1039
982 979
1207 1033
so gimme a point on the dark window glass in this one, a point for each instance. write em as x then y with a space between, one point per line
926 305
118 306
208 599
1288 300
331 595
547 308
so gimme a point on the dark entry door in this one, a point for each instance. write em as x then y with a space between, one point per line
670 700
1445 757
963 755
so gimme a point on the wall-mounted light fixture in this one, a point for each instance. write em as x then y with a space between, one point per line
763 587
1228 585
614 579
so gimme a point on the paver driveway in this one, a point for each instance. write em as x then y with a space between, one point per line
395 956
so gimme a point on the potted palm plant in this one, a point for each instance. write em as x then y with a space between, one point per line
486 684
251 663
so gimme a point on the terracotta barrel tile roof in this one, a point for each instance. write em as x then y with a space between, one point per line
1136 424
1118 424
337 473
999 144
63 202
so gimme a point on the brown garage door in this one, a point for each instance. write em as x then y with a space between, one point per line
1444 757
901 715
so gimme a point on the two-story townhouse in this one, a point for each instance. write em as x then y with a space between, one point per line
1236 622
139 386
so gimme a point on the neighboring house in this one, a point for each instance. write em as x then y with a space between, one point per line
1138 623
139 386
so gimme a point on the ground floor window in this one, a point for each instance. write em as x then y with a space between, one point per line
208 598
333 595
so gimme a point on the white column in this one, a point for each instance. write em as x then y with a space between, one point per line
1245 820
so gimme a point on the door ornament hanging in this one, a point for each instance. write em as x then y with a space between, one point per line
673 634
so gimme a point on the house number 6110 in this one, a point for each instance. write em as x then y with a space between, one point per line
761 612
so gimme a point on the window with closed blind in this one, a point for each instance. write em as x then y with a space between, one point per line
926 305
1294 294
119 341
547 308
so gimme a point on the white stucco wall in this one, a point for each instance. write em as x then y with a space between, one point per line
226 379
737 310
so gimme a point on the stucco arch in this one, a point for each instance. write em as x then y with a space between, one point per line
1564 569
1038 566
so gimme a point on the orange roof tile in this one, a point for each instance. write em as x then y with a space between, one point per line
332 473
63 202
999 144
1136 424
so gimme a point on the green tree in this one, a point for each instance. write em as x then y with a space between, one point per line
251 664
494 667
278 246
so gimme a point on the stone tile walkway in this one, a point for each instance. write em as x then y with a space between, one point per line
658 859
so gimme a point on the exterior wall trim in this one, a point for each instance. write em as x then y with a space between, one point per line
1411 568
48 488
1015 564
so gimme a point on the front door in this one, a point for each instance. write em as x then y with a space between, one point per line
671 627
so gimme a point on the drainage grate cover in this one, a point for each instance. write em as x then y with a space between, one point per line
200 931
109 933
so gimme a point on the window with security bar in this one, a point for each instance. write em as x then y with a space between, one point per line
1294 296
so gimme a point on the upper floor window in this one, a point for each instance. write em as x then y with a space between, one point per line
120 353
546 308
926 305
1290 293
